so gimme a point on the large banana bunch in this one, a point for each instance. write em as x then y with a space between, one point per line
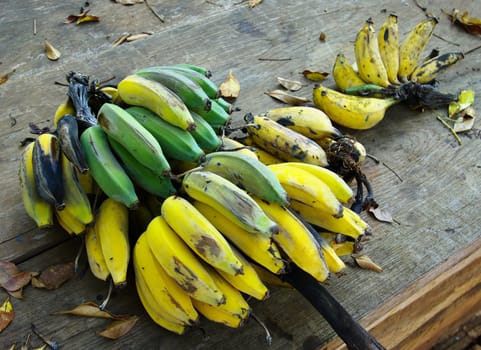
388 71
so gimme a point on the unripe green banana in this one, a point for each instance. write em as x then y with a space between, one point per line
126 130
216 116
210 88
176 143
204 134
68 136
199 69
109 175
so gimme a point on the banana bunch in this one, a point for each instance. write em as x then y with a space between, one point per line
388 71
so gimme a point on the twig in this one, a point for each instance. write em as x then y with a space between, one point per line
387 166
473 49
438 117
259 321
274 59
446 40
51 344
423 8
154 12
34 26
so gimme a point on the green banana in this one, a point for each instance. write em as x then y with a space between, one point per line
198 69
204 134
126 130
68 136
106 170
210 88
216 116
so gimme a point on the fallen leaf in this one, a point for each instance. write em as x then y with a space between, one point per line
138 36
12 279
465 99
87 18
465 121
90 309
81 18
120 40
285 97
129 2
253 3
119 328
5 77
52 53
54 276
322 36
380 214
365 262
291 85
315 76
471 24
6 314
230 87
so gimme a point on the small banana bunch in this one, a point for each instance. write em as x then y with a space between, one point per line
388 72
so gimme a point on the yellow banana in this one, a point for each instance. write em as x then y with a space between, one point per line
344 74
259 248
295 239
388 41
95 256
162 287
368 59
215 314
200 235
111 226
36 207
229 144
333 262
229 199
341 248
138 91
303 186
429 70
354 112
64 108
412 47
181 263
270 278
282 142
264 156
69 223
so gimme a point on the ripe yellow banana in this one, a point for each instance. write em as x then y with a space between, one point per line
69 223
64 108
429 70
216 314
412 47
259 248
200 235
295 239
36 207
282 142
344 74
112 228
161 286
303 186
181 263
229 144
270 278
388 41
229 199
264 156
95 256
354 112
138 91
368 59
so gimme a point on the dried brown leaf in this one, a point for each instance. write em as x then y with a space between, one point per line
253 3
291 85
12 279
365 262
138 36
90 309
6 314
285 97
380 214
465 121
314 75
119 328
322 36
54 276
82 17
129 2
471 24
52 53
121 40
87 18
4 78
230 87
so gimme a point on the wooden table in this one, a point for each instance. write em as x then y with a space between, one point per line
430 184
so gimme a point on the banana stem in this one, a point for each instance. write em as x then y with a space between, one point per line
107 298
262 324
78 91
348 329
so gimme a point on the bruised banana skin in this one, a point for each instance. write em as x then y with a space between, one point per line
388 41
204 134
106 169
259 248
68 136
112 228
95 257
308 121
282 142
118 124
230 200
303 186
184 87
412 47
247 173
162 287
138 91
297 241
200 235
368 59
429 70
47 170
36 207
181 263
353 112
175 143
344 74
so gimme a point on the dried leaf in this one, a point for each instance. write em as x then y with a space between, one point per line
291 85
54 276
365 262
88 18
82 17
471 24
322 36
5 77
6 314
121 40
253 3
52 53
230 87
138 36
283 96
12 279
315 76
129 2
119 328
465 121
380 214
90 309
